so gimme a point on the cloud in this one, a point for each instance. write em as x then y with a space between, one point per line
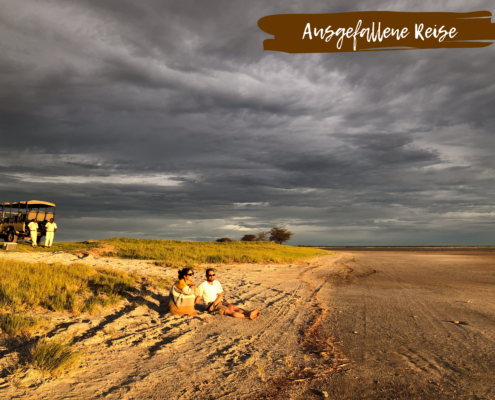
166 113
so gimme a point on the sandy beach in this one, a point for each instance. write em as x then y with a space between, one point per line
349 325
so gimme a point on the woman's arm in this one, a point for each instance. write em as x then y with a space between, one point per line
189 289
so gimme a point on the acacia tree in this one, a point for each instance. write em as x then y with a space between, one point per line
248 238
262 236
280 235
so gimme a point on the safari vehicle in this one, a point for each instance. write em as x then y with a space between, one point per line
16 217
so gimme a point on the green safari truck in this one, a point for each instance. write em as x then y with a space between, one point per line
15 218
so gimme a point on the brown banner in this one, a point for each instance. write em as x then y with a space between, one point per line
376 30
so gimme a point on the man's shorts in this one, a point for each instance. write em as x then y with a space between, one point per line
221 308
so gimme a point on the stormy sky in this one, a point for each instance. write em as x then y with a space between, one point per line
166 119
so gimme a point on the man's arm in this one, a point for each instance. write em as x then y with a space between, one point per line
217 300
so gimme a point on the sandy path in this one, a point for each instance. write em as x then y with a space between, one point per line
407 343
394 313
152 354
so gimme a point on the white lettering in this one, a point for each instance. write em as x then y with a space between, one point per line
307 31
330 32
418 30
356 32
319 32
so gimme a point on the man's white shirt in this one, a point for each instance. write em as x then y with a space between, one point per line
50 227
209 292
33 226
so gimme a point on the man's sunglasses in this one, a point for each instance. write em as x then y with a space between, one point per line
211 274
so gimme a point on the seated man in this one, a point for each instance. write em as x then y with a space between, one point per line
212 294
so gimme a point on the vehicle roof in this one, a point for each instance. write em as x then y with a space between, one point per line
32 203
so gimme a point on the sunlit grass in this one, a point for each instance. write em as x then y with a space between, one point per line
52 356
68 247
75 287
178 253
19 324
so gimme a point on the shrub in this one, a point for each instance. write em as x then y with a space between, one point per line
262 236
224 239
248 238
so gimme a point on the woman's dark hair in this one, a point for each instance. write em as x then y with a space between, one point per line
183 272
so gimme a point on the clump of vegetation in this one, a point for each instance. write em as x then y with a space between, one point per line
248 238
68 247
53 356
280 235
262 236
178 253
224 239
160 282
18 324
59 287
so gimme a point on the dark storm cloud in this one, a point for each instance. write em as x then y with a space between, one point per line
166 119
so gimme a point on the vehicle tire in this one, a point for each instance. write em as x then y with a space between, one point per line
12 237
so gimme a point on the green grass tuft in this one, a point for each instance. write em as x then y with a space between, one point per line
18 324
53 356
59 287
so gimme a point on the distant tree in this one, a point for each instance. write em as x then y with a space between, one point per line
262 236
280 235
248 238
225 239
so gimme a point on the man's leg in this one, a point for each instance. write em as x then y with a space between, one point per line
34 238
49 239
237 312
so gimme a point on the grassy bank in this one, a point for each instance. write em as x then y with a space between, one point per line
68 247
177 253
59 287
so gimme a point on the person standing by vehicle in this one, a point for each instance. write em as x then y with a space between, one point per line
51 228
33 230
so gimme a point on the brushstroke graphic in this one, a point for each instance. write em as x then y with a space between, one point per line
376 31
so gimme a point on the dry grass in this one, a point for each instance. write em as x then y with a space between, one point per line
177 253
19 325
68 247
159 282
319 345
59 287
52 356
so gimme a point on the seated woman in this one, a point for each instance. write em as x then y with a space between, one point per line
182 294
